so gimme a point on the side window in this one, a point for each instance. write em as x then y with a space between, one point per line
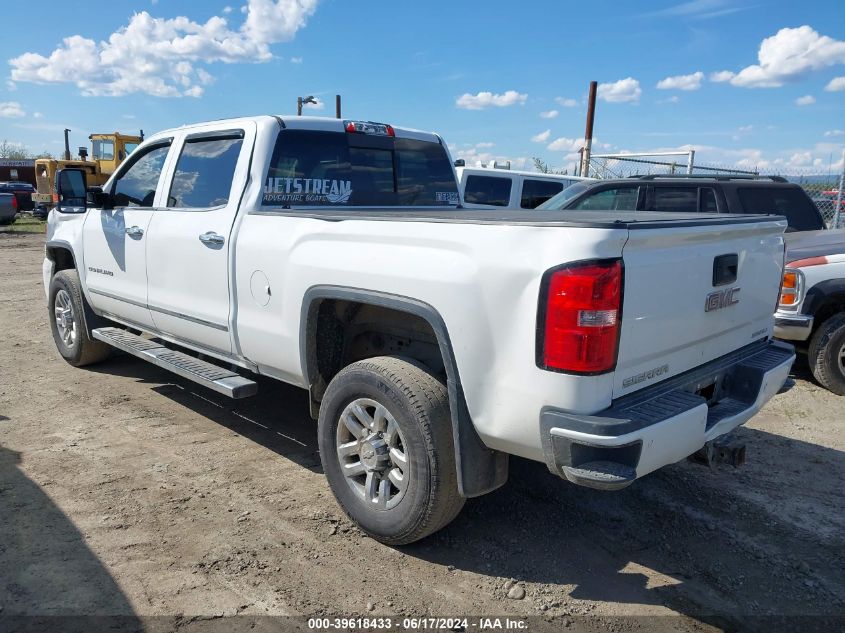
674 199
791 202
707 201
619 199
204 172
136 187
536 192
488 190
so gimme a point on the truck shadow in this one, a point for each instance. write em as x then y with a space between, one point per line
727 547
276 418
761 540
46 568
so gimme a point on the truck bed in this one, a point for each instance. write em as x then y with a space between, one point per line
583 219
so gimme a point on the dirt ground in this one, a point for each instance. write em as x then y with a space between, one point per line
126 490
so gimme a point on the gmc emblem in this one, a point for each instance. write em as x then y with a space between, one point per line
721 299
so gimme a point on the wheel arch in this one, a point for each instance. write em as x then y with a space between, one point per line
480 469
61 254
825 299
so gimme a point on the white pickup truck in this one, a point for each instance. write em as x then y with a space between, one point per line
433 340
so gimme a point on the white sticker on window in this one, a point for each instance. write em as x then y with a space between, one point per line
450 197
280 191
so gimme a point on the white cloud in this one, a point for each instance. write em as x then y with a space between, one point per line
830 133
37 115
484 145
227 10
295 60
790 55
805 100
745 129
722 76
473 157
837 84
542 137
157 56
682 82
622 91
564 144
565 102
11 110
549 114
486 99
315 106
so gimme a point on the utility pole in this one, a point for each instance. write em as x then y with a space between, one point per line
337 106
588 134
67 144
300 101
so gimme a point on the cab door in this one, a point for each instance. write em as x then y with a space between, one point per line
114 241
190 237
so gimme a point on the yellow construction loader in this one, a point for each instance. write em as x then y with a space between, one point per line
107 152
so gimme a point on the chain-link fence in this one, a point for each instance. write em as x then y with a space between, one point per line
825 189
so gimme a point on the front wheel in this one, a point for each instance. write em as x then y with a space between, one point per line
67 321
827 354
385 438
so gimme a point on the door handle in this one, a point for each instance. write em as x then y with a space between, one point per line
212 238
135 231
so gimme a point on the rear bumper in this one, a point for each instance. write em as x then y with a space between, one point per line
665 423
793 327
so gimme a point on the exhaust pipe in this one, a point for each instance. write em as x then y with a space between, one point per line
722 450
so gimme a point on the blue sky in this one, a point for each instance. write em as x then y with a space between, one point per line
746 82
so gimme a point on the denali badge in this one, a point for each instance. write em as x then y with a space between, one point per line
646 375
721 299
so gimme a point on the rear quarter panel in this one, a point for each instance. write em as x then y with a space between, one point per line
482 279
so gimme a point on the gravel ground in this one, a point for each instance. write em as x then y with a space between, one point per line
125 490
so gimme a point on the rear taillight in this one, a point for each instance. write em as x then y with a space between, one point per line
790 288
15 202
579 317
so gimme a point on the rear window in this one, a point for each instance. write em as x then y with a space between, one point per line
791 202
311 168
536 192
488 190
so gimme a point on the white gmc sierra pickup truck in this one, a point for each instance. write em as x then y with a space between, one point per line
433 340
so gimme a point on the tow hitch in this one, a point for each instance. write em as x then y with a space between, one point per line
722 450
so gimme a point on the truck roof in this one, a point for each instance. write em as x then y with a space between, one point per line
293 122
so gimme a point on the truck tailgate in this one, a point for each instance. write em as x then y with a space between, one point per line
693 293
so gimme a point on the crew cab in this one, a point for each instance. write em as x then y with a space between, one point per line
434 341
703 194
811 310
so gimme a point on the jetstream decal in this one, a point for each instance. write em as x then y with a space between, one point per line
306 191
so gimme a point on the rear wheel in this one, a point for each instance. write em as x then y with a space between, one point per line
385 439
826 354
67 321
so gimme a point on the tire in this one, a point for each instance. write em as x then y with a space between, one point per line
67 321
394 393
826 354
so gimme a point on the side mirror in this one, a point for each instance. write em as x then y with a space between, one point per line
70 191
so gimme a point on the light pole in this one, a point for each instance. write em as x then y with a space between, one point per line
302 100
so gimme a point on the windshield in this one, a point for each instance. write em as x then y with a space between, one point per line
560 200
311 168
